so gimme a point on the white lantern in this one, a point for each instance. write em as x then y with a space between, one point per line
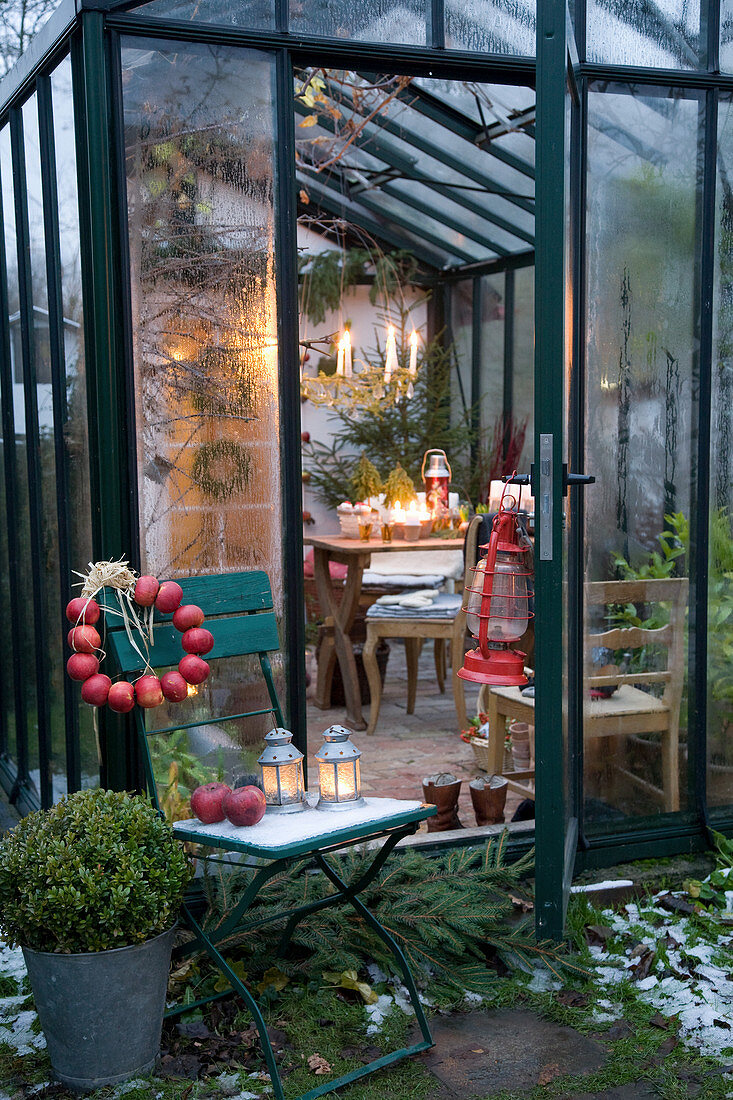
338 771
282 773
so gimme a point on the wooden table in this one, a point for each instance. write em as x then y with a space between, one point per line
336 646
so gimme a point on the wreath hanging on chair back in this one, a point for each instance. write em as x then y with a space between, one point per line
138 597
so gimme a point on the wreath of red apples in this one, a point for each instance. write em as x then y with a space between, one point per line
148 690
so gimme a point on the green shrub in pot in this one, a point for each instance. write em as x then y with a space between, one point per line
91 890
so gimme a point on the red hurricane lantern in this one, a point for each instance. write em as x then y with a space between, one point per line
497 609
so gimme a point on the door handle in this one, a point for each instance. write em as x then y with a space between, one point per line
574 479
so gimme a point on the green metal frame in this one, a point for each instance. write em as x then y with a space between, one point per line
555 822
240 616
311 852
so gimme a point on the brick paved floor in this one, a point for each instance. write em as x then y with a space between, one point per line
407 747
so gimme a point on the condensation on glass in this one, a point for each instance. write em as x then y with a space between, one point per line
664 34
53 638
720 572
24 646
254 14
199 164
362 20
726 36
7 699
491 26
75 427
641 349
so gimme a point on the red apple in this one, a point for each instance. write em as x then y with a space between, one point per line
206 802
146 590
305 437
80 666
198 640
96 689
148 692
121 697
187 615
244 805
83 639
173 686
169 596
82 610
193 669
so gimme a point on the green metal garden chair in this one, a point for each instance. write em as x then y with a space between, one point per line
239 613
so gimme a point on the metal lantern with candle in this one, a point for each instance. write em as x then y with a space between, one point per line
338 771
497 607
282 773
437 479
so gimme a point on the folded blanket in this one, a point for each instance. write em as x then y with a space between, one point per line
444 606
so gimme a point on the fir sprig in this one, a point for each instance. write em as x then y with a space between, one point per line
448 914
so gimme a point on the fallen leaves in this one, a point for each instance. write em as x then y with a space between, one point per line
318 1064
349 979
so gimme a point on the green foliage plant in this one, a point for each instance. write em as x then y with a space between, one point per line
399 486
99 870
366 481
380 419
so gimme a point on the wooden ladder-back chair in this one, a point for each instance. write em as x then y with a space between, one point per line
239 613
415 628
631 709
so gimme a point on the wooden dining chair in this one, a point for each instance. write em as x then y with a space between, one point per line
415 627
632 709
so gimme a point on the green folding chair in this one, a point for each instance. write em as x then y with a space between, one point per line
239 613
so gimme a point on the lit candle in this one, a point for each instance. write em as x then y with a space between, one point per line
390 363
413 354
340 358
347 353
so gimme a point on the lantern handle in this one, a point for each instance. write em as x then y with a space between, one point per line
435 451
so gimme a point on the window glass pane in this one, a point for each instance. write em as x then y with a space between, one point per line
255 14
720 577
641 349
664 34
24 651
199 163
491 26
55 654
363 20
726 36
7 697
76 436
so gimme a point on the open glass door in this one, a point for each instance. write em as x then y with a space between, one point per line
557 529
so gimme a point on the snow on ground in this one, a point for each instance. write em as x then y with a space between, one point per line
689 976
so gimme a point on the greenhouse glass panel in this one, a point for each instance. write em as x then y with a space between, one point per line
491 26
362 20
522 403
200 172
75 428
55 657
24 647
726 36
664 34
252 14
720 576
7 734
641 353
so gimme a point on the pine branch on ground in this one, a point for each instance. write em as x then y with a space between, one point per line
447 913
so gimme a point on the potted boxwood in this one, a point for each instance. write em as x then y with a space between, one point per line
91 891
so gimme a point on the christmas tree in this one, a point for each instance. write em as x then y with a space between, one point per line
366 481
